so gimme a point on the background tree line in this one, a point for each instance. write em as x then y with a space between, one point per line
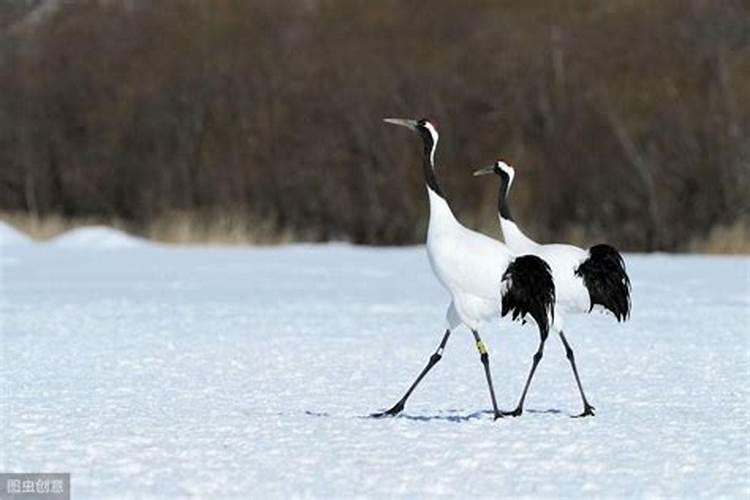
627 119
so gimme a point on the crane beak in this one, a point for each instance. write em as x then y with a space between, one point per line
485 171
412 124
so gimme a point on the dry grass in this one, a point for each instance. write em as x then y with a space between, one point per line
175 228
223 228
239 229
731 239
44 228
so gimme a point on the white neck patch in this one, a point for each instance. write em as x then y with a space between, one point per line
508 170
435 136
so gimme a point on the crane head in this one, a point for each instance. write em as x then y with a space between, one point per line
505 171
423 127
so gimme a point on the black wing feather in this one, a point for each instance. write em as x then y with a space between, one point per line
531 291
607 281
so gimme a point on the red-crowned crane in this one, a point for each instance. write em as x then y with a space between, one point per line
484 278
584 279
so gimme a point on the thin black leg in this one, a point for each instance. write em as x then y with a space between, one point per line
399 407
588 410
485 358
537 358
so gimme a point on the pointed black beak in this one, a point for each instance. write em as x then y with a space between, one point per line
412 124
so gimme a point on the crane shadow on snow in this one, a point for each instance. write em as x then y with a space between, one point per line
452 416
446 416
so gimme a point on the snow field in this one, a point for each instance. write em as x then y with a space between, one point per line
210 372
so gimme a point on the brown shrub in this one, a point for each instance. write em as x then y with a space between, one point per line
628 119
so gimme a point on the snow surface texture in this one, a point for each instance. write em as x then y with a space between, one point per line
11 237
221 372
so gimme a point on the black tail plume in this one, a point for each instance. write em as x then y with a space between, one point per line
607 281
528 288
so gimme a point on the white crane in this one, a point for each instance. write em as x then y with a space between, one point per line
584 279
484 278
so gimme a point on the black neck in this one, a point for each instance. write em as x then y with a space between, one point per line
502 202
429 168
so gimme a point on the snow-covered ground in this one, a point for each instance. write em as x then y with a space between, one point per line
218 372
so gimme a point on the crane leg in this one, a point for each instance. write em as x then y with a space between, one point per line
588 410
485 358
537 358
399 407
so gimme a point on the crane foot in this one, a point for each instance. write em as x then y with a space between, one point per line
397 408
514 413
588 411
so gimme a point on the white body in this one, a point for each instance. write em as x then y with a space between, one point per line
469 264
570 293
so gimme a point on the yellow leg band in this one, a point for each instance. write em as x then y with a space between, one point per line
481 348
